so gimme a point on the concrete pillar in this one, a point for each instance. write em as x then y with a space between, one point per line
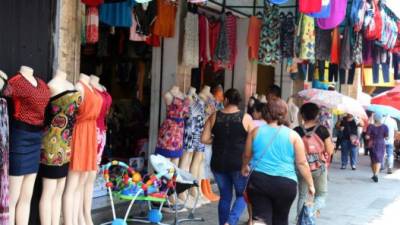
287 84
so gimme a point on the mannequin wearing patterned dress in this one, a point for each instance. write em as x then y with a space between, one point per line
84 154
56 148
4 148
193 155
29 96
170 135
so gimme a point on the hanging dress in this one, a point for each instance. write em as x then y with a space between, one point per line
253 37
194 126
171 133
4 148
101 128
269 52
164 26
84 137
57 137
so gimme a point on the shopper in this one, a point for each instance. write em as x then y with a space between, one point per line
274 92
318 137
349 141
227 130
274 150
389 142
377 133
258 109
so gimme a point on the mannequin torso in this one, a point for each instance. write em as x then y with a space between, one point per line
174 92
27 73
85 79
95 82
3 79
60 84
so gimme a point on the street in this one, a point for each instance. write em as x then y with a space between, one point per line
353 199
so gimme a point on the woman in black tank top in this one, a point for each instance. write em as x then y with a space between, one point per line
227 130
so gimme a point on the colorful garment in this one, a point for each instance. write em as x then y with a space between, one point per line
164 26
253 37
269 52
133 35
204 51
194 126
117 14
57 137
171 133
4 151
307 38
310 6
336 17
325 10
101 128
92 25
190 56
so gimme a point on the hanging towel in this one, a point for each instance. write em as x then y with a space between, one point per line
310 6
337 15
325 10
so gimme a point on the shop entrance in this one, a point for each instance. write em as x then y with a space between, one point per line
265 78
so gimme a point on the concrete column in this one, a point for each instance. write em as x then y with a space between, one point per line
67 36
288 86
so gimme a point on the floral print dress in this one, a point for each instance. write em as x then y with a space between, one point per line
269 52
171 133
4 134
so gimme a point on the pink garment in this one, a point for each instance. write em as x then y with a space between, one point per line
92 25
214 28
338 13
204 51
133 36
231 33
101 123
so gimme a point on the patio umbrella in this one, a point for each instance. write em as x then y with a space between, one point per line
384 99
364 99
385 110
334 101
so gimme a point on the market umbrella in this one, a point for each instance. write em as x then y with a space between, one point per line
385 99
334 101
385 110
364 99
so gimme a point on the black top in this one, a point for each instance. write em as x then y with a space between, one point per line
350 128
228 142
145 18
321 131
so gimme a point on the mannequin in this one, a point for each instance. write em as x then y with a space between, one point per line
64 96
25 129
84 154
262 98
4 152
172 129
193 155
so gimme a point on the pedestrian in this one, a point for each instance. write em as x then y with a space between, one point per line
319 148
227 130
349 141
377 133
273 151
389 142
366 143
274 92
257 114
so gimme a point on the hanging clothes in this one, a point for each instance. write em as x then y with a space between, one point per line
307 38
357 50
323 44
325 11
92 25
204 51
94 3
373 23
133 35
346 60
117 14
214 28
101 125
357 14
190 56
231 33
145 17
253 37
269 52
224 49
310 6
83 24
4 151
335 49
337 15
287 35
164 26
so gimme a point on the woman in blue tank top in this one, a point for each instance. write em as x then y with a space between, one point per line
274 151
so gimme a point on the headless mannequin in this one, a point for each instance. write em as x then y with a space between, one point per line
76 181
53 189
4 77
169 97
192 161
21 187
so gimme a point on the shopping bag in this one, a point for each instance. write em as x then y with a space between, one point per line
306 216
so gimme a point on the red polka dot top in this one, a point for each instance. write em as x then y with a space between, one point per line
29 102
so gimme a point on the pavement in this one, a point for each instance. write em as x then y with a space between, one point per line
354 199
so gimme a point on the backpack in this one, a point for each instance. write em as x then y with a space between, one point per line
315 149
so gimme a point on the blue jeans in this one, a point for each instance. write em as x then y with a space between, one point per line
349 149
385 71
389 157
226 182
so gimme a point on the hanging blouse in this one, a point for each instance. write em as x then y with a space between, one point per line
325 11
335 50
323 44
164 26
92 25
307 38
357 14
253 37
269 52
204 51
357 51
117 14
287 36
145 18
346 61
190 56
222 50
337 15
133 35
310 6
231 33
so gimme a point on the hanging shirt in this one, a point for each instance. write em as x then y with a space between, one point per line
164 26
204 51
307 38
133 35
310 6
145 18
269 52
117 14
253 37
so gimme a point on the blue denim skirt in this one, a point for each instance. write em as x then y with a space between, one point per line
25 147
